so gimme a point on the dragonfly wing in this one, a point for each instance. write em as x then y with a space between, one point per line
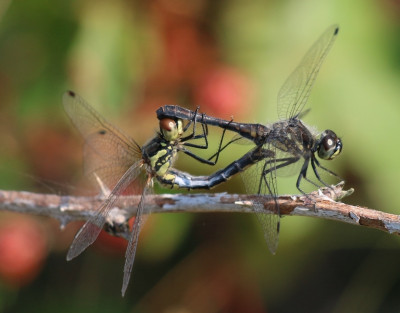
83 239
91 229
108 153
260 180
288 163
295 91
133 241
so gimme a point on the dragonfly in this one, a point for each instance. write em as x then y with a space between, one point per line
280 146
118 161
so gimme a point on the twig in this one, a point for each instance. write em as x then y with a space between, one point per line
319 204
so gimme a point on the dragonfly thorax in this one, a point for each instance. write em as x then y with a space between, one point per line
159 155
329 145
291 136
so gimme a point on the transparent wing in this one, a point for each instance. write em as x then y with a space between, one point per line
133 240
239 139
295 91
108 153
91 229
287 164
260 179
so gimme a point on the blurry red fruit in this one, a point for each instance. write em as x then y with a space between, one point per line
23 248
223 92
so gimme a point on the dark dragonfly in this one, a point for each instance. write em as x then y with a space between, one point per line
115 160
281 145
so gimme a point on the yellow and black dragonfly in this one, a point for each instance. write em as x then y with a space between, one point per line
280 146
121 164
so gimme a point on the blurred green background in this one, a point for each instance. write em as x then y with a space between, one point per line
127 58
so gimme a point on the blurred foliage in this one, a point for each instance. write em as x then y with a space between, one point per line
127 58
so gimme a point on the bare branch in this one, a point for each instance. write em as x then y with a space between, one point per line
319 204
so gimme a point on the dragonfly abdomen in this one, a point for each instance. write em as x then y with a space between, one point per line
253 132
178 179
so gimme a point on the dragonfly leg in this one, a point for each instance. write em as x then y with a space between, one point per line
196 157
302 174
286 162
193 135
226 145
190 123
216 155
315 164
326 170
205 136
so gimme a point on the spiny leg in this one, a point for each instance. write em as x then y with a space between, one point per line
315 164
326 170
193 135
204 135
302 174
287 161
226 145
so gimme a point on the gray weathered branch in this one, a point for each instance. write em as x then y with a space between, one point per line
319 204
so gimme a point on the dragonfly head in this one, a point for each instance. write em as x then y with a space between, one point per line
171 129
329 145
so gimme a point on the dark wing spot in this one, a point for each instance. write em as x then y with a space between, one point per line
336 31
71 93
102 132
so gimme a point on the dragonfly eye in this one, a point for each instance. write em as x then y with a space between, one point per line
329 145
170 129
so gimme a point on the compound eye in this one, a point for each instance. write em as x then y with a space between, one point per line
330 145
167 124
168 129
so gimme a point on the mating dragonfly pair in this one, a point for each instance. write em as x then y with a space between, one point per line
126 167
